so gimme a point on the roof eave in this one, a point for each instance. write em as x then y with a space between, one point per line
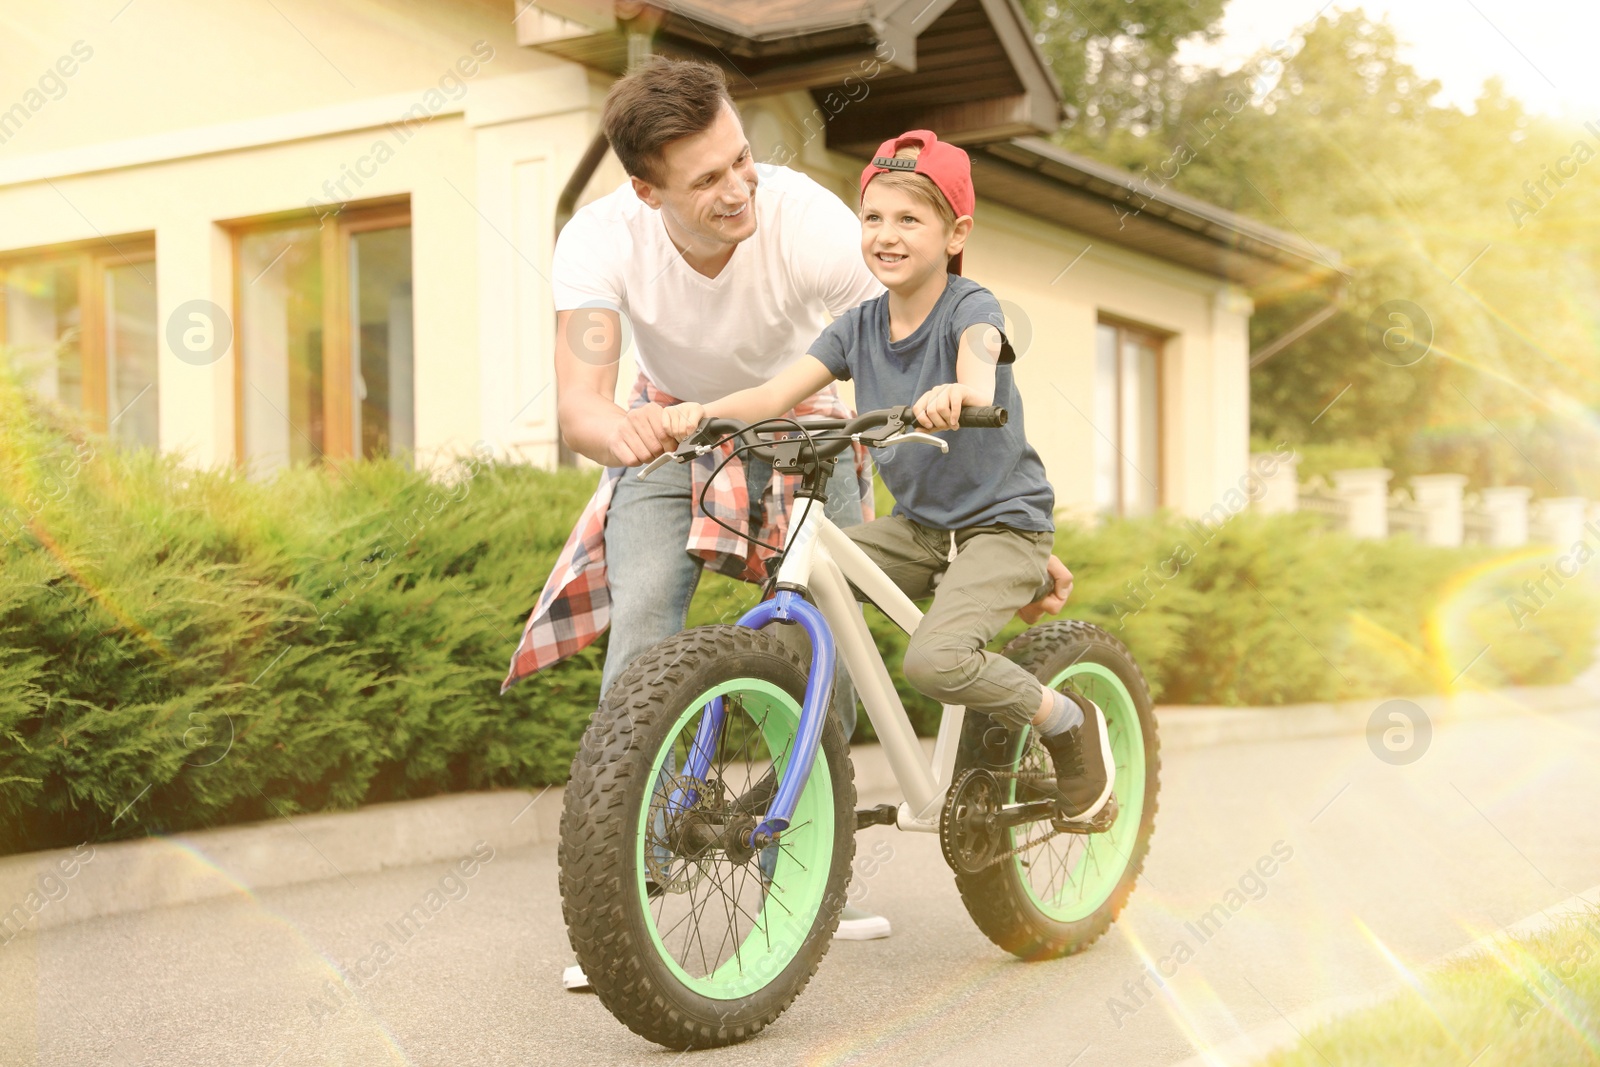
1161 222
1131 197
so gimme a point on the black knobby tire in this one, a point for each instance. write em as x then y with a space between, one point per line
1016 903
613 829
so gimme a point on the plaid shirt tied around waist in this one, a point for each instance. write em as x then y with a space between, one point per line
575 606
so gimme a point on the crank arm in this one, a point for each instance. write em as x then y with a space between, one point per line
1020 814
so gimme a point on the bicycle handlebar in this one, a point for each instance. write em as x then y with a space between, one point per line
987 416
829 437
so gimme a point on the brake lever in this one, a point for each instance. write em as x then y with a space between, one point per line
926 438
654 465
689 448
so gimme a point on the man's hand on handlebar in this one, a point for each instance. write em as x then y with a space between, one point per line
680 420
640 436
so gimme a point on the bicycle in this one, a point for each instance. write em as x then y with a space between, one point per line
707 832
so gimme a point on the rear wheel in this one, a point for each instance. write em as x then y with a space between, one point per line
1056 897
690 937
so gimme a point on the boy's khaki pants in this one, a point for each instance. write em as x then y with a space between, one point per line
996 570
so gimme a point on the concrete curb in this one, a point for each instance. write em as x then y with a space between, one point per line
1199 726
40 890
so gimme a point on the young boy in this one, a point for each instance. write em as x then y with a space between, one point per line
979 515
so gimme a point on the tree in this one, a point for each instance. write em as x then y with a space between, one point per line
1115 60
1489 367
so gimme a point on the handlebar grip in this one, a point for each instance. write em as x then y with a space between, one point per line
984 416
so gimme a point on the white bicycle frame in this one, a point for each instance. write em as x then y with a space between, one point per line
822 560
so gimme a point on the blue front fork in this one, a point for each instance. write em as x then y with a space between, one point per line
785 607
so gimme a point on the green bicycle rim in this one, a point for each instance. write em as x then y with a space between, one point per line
800 876
1095 863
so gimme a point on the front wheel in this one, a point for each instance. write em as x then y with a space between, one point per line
687 935
1056 897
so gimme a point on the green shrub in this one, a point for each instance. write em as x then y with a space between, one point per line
183 648
1266 610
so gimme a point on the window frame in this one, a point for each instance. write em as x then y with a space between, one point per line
93 257
338 397
1156 340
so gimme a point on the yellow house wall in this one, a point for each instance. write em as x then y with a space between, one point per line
258 120
174 65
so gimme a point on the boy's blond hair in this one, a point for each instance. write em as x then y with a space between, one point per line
919 186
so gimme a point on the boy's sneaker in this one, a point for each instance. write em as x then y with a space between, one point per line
1085 769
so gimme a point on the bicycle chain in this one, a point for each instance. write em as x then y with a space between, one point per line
1018 776
1020 849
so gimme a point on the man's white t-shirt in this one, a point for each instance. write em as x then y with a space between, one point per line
702 338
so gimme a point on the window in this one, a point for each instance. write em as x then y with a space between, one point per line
324 338
79 323
1127 418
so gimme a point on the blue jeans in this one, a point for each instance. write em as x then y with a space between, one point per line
652 579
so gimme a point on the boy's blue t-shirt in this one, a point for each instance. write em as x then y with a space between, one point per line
989 476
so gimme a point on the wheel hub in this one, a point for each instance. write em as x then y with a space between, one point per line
691 836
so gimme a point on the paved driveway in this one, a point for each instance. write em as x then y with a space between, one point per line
1388 867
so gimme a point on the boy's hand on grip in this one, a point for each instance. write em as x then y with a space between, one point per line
680 420
940 407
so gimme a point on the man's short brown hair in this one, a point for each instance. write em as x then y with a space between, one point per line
660 101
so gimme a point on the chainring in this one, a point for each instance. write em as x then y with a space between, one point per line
968 835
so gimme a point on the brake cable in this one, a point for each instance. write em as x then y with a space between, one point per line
780 550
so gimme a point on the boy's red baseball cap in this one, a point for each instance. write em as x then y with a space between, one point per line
947 166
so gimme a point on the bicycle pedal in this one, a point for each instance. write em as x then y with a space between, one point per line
882 815
1103 820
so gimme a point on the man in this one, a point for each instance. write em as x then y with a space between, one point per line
726 271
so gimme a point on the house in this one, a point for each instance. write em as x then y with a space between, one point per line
260 234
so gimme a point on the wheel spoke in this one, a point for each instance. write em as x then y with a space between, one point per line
1078 872
722 921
